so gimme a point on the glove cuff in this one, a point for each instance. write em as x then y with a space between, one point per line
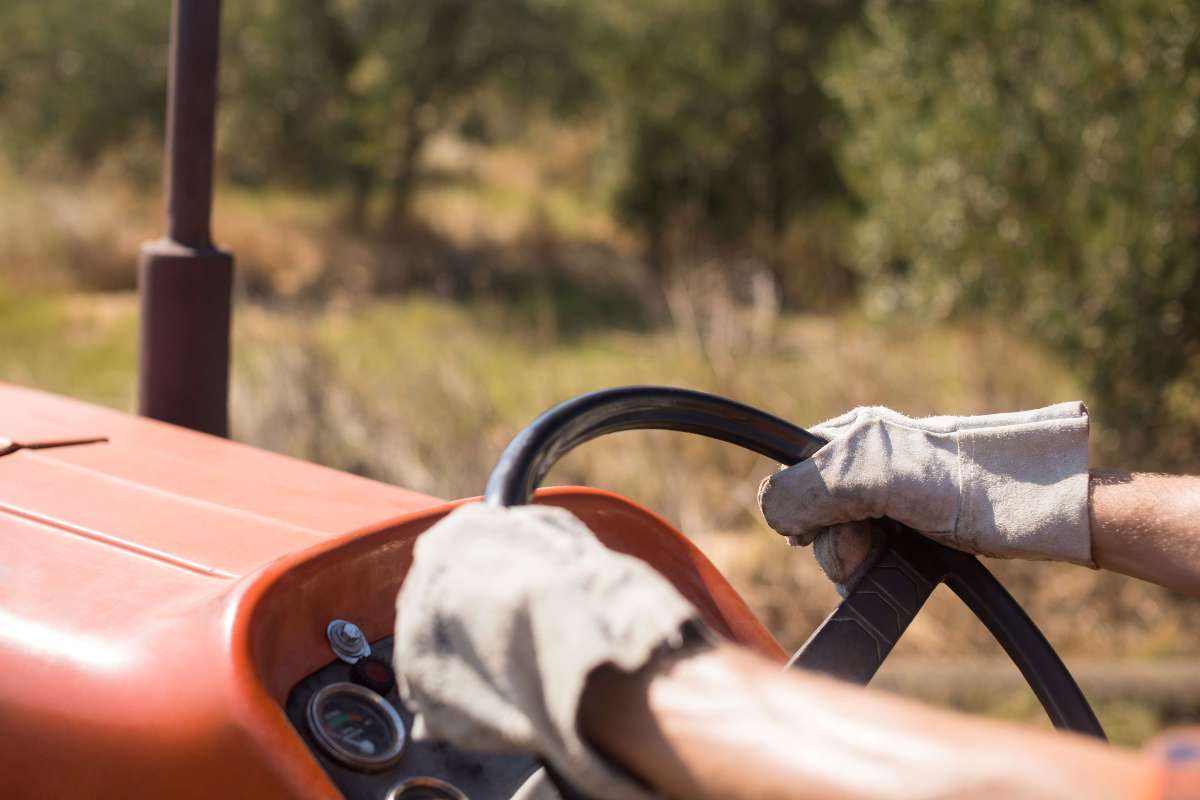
559 605
1024 490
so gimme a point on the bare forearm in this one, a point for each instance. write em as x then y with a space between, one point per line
728 724
1148 526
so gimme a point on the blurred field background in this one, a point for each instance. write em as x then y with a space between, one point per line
449 215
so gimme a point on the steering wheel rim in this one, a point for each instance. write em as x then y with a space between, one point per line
858 635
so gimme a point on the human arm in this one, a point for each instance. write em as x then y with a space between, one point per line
519 630
1005 485
725 723
1147 526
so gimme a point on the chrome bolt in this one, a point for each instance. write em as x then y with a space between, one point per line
347 641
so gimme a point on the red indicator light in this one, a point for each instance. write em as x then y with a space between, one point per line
373 673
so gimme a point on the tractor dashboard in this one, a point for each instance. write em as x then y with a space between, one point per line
369 754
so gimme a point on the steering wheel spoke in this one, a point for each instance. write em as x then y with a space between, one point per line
858 635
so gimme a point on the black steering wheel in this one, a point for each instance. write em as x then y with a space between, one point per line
854 640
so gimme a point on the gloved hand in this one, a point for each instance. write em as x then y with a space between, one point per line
1005 485
503 616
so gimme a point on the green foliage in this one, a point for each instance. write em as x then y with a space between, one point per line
74 345
1035 160
348 92
328 93
79 78
728 131
1040 160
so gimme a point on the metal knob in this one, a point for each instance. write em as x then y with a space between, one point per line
347 641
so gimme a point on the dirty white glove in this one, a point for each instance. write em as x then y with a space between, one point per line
501 619
1005 485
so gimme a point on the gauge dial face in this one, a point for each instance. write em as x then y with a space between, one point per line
356 726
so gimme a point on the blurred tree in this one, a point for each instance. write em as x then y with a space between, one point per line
350 91
339 93
729 131
80 79
1041 160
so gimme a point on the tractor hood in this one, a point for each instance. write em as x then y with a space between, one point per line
100 541
148 491
162 591
121 566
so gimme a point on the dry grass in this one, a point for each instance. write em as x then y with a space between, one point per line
66 234
486 219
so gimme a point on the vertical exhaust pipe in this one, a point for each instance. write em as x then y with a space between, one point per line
184 281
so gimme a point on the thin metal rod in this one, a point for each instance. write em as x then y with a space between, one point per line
191 119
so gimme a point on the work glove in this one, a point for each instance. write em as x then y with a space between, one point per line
1004 485
500 621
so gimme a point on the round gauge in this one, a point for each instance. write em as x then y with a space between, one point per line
425 789
356 726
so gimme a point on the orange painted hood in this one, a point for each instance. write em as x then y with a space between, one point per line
162 591
96 538
169 493
106 548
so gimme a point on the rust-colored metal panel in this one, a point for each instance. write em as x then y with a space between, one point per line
161 592
145 463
